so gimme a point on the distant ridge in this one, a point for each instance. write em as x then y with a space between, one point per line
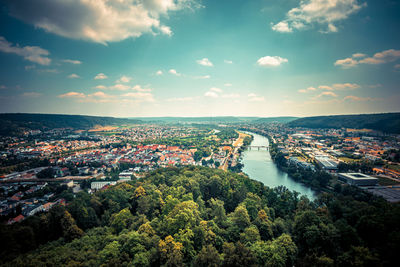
385 122
217 119
275 119
16 123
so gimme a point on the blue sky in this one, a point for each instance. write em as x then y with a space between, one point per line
200 58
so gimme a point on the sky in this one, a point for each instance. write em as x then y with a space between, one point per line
140 58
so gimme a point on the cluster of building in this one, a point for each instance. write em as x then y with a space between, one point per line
98 157
22 198
327 148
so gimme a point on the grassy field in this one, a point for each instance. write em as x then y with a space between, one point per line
349 160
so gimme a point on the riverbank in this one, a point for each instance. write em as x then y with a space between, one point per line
258 165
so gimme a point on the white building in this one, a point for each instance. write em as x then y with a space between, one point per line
100 184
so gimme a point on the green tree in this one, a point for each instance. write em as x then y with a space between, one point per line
208 256
69 228
121 220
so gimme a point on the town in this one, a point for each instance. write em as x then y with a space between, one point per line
35 165
360 157
43 169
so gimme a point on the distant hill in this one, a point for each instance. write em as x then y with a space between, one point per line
218 119
16 123
275 119
385 122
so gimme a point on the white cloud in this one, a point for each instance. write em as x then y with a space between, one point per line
346 63
332 94
211 94
215 89
99 21
325 87
228 61
140 89
202 77
227 84
344 86
282 26
119 86
336 86
358 55
73 76
140 96
123 87
309 89
72 95
100 95
269 61
204 62
386 56
100 76
318 12
357 98
252 97
124 79
174 72
31 53
72 61
159 72
101 87
382 57
97 97
166 30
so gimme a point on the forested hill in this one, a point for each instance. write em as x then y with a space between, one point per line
217 119
15 123
385 122
275 119
198 216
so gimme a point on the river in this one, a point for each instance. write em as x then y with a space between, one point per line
259 166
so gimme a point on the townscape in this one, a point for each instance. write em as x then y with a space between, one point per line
40 169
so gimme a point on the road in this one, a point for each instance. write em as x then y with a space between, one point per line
236 145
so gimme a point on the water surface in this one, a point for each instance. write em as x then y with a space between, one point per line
259 166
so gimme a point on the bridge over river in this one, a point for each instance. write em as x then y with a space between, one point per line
259 166
258 147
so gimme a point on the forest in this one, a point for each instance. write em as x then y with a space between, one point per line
197 216
16 123
384 122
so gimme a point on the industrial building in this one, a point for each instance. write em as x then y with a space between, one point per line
326 163
358 179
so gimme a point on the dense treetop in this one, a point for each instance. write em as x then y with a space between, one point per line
206 217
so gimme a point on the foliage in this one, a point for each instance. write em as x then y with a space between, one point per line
16 123
198 216
385 122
